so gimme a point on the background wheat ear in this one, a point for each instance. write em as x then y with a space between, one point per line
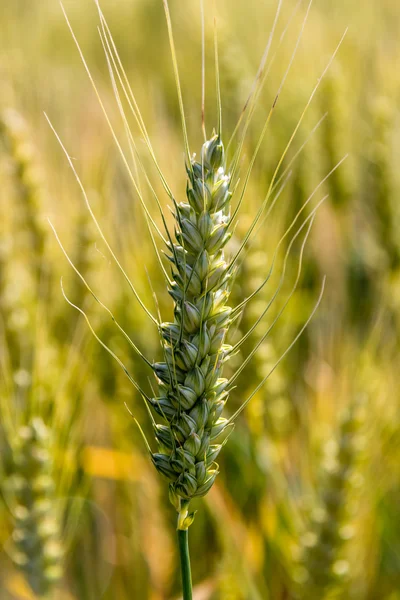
324 569
39 425
28 185
37 546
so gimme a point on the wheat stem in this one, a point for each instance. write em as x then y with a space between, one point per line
183 542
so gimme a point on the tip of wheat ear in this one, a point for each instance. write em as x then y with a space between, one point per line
192 391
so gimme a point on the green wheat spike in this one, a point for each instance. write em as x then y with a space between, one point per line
192 391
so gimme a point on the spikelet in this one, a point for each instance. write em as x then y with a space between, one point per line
37 548
192 393
323 569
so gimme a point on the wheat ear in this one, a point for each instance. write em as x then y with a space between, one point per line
323 569
192 391
37 548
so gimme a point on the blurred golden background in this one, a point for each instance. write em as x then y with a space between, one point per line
307 504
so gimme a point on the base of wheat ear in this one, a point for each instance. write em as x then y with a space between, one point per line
192 392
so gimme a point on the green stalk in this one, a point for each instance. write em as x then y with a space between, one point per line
183 541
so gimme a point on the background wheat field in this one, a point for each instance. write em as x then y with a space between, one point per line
307 504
